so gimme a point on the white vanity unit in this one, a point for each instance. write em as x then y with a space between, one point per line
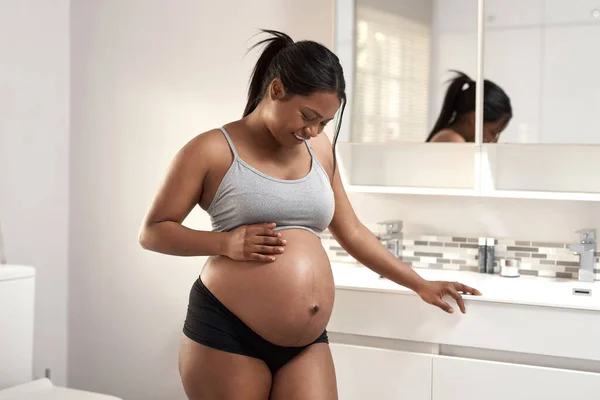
525 338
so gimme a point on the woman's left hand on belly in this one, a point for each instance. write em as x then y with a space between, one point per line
434 291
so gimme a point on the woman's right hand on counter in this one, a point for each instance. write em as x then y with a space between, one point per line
258 242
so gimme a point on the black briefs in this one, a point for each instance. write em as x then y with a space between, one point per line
211 324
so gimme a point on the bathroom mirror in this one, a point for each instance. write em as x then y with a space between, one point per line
545 55
538 135
399 58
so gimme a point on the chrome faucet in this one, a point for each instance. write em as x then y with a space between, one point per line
585 249
392 236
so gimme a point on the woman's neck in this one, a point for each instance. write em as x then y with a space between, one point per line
259 134
255 124
464 128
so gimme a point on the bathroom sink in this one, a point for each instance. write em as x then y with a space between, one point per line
530 290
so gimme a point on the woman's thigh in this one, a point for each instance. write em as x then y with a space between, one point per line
308 376
210 374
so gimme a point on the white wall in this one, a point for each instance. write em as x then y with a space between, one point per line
34 140
146 78
345 31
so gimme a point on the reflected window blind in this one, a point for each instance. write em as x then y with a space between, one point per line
392 78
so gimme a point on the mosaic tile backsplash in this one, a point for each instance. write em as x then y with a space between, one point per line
460 253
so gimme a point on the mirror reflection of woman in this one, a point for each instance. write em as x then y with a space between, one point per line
456 122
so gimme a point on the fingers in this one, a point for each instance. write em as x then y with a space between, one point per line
271 241
266 230
467 289
459 300
270 225
264 249
443 305
262 242
261 258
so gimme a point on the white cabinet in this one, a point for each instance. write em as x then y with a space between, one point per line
464 379
571 11
382 374
513 13
372 373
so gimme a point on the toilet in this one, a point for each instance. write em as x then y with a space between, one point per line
17 294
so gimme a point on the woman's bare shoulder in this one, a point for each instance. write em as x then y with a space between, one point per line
209 146
448 135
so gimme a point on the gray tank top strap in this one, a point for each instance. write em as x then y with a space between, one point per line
315 159
231 146
310 150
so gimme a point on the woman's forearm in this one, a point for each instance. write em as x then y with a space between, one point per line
364 246
174 239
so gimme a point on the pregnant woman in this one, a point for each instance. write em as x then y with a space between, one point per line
255 327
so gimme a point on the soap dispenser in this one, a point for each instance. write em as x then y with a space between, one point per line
482 255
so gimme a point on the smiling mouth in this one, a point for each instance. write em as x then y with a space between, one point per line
299 137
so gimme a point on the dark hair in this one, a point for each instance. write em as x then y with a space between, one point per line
304 68
460 100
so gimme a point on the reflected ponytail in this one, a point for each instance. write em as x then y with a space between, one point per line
451 103
460 99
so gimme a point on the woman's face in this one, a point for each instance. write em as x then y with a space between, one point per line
292 119
492 130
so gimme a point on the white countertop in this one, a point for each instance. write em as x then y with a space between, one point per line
525 290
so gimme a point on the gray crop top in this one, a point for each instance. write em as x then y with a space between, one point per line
247 196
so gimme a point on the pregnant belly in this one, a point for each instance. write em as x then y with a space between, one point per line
288 302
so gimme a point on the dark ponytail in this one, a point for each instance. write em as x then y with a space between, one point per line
448 113
274 45
460 99
304 67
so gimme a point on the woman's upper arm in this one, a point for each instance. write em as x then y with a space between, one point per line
345 222
182 187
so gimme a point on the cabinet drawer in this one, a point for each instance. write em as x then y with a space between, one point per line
372 373
466 379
